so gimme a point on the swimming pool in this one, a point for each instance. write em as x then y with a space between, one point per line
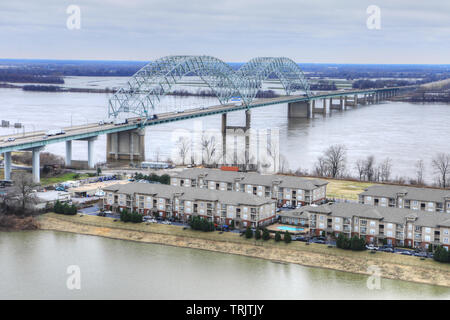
287 228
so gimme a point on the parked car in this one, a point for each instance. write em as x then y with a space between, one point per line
371 247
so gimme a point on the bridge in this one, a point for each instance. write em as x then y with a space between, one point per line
142 95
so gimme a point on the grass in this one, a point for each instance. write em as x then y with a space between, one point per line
62 178
381 257
346 189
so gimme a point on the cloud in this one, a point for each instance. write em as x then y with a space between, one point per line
308 31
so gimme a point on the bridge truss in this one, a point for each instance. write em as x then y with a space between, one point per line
145 89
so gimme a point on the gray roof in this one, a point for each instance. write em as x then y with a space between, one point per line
411 193
383 214
252 178
190 194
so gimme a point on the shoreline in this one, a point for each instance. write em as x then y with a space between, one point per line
403 268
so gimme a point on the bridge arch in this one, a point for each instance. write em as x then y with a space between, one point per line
287 71
146 87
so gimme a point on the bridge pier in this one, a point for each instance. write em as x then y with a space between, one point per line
7 165
301 109
91 163
338 106
68 153
126 145
244 129
36 164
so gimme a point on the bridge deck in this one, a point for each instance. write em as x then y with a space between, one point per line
38 139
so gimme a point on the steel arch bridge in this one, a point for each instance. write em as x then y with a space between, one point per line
146 87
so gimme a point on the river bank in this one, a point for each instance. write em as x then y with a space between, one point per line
14 223
315 255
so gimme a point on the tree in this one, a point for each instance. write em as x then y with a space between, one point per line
420 168
258 233
385 169
369 171
360 168
321 168
22 197
183 145
278 236
287 237
248 233
209 148
266 234
441 165
335 158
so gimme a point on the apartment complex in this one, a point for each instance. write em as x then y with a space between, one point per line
288 190
181 202
425 199
400 227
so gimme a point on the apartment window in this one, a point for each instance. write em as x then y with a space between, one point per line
372 231
372 223
427 238
446 231
389 225
369 198
337 220
445 240
337 227
389 233
427 230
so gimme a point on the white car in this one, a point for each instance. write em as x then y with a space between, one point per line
9 139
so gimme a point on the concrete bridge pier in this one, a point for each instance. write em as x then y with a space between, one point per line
126 145
68 153
339 106
301 109
91 163
236 129
36 164
7 165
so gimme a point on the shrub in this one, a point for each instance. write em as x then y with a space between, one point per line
258 233
441 254
248 233
287 237
64 208
199 223
266 234
277 236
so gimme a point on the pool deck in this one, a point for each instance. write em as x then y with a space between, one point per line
274 228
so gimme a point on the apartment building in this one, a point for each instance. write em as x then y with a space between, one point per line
400 227
288 190
425 199
181 203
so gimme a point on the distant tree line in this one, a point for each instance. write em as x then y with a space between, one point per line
369 84
18 77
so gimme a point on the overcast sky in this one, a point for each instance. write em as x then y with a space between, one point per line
327 31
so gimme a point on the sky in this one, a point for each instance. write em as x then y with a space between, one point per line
314 31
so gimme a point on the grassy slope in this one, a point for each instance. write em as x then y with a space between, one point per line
235 238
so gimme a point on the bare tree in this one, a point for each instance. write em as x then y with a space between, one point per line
21 198
369 170
209 146
321 167
360 167
385 170
183 145
157 154
420 169
441 165
284 164
335 159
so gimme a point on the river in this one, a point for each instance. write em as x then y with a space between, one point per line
404 132
33 265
